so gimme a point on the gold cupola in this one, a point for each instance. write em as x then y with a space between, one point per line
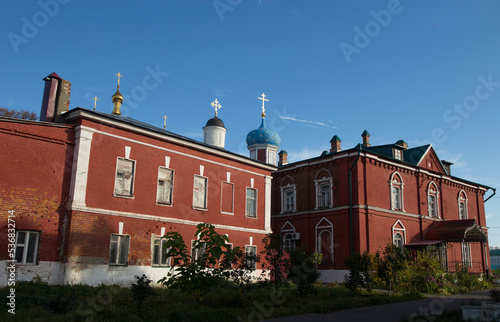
117 98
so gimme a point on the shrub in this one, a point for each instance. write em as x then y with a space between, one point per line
141 290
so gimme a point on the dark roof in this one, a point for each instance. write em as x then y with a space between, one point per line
52 75
215 121
456 231
365 132
335 138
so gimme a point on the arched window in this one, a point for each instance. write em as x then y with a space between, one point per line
462 205
324 192
398 234
396 186
398 240
432 200
288 195
289 236
324 241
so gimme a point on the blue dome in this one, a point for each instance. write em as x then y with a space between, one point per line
263 135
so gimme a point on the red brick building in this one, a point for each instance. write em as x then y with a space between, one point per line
93 193
360 199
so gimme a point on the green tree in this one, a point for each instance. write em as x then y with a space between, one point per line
391 265
360 271
303 270
275 260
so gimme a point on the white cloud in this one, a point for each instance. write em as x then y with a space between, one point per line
306 121
221 92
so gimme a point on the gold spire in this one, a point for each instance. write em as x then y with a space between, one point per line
117 98
95 101
263 98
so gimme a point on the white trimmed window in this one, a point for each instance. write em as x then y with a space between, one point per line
200 192
251 250
124 178
118 249
432 200
397 154
398 240
324 192
271 157
159 252
27 246
288 241
396 186
165 186
462 205
251 203
288 198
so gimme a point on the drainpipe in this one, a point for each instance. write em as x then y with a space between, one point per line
351 233
485 249
494 192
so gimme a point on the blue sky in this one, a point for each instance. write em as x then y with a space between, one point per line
422 71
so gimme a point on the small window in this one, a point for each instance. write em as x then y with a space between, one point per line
27 246
396 184
466 255
271 157
200 192
289 200
289 242
251 208
197 250
124 179
118 249
251 253
165 186
160 251
253 154
398 240
397 154
324 195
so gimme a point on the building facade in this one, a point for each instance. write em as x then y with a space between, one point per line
93 195
363 198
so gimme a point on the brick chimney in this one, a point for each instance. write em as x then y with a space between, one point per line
55 101
447 166
403 144
366 138
335 141
283 158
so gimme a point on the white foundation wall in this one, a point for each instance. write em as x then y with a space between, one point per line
333 275
55 273
47 272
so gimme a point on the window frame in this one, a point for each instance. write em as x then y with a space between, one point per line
222 198
433 193
466 254
253 263
205 179
26 247
285 207
197 253
254 202
394 238
396 183
288 242
119 246
462 200
319 183
132 176
172 175
163 251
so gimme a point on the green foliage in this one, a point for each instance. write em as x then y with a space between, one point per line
361 268
303 271
141 289
275 260
198 274
391 265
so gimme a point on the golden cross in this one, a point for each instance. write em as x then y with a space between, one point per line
165 118
263 98
119 75
216 106
95 101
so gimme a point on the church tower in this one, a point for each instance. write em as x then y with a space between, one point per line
263 143
214 133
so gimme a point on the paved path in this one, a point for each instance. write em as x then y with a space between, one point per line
432 305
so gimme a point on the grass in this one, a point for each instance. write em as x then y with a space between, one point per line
41 302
